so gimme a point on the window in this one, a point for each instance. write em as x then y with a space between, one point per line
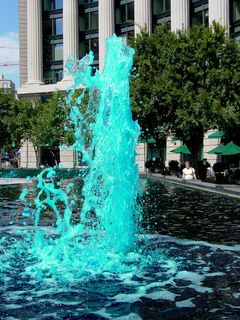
125 12
52 22
199 12
88 28
160 6
236 10
200 17
124 18
94 46
52 76
58 26
86 1
57 4
88 21
58 52
52 5
161 12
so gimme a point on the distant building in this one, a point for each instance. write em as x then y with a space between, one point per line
6 85
52 30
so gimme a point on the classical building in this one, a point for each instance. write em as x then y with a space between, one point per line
6 84
52 30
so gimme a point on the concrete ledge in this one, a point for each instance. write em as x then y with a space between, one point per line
230 190
12 181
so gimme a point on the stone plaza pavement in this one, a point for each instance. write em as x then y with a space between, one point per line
12 181
231 190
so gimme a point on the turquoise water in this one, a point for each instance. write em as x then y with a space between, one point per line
33 173
103 239
187 265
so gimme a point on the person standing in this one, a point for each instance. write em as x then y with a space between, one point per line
188 172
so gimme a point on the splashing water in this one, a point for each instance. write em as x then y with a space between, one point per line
106 136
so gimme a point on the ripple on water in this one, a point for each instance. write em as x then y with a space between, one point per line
169 278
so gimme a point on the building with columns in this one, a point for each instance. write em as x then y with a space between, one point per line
52 30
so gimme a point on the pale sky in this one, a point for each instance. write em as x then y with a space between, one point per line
9 46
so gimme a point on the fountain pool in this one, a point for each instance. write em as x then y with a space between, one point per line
188 268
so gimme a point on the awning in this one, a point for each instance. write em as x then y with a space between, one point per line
182 149
217 150
230 149
217 135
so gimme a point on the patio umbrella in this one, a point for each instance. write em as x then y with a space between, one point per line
182 149
217 135
230 149
217 150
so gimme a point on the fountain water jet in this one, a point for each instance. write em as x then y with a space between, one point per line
106 136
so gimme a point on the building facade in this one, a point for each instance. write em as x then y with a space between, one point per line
6 84
52 30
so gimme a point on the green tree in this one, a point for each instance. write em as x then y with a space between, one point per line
186 83
10 133
44 123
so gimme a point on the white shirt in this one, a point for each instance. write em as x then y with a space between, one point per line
188 173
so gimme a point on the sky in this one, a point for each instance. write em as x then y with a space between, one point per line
9 45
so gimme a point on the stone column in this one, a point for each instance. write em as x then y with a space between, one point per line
180 14
142 16
219 12
34 42
106 26
70 32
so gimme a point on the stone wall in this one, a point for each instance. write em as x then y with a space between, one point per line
141 157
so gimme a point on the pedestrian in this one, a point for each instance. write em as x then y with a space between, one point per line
188 172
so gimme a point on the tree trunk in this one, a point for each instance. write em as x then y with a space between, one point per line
195 144
36 150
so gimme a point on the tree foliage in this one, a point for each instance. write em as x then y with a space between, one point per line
10 135
186 82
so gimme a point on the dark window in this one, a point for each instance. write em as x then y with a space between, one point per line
199 12
236 10
235 19
52 41
58 4
125 12
58 26
58 52
160 6
161 12
86 1
124 18
52 5
88 28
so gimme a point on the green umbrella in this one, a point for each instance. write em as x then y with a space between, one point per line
230 149
217 150
217 135
182 149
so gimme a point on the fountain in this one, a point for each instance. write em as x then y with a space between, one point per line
85 249
104 237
